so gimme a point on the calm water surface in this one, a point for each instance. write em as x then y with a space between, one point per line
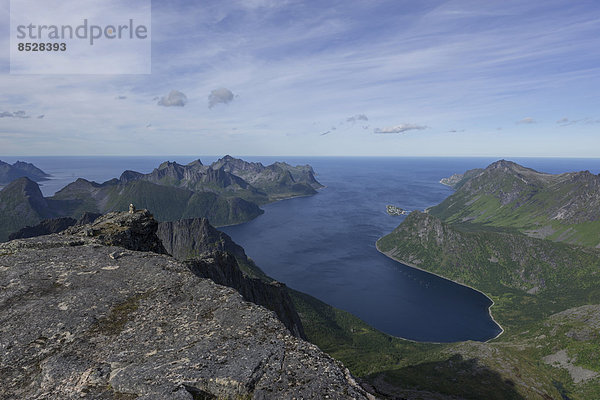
324 245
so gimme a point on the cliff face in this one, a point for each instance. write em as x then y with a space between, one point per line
222 268
196 240
82 319
189 238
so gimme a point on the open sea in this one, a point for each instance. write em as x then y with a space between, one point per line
324 245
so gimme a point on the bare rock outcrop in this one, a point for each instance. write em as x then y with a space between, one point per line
80 319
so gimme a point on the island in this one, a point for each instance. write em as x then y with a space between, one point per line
393 210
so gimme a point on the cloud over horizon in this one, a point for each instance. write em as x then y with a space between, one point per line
220 96
175 98
402 128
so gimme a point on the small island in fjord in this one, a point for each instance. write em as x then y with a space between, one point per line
393 210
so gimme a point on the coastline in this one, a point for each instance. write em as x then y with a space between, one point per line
272 202
451 280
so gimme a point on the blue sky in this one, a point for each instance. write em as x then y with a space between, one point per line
391 78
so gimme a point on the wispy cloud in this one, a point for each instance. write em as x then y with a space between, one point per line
15 114
587 121
355 118
402 128
460 63
526 120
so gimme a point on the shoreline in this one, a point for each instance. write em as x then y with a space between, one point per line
451 280
272 202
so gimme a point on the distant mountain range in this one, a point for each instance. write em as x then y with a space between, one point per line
9 173
226 192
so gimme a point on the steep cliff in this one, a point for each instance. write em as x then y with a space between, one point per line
189 238
196 240
81 319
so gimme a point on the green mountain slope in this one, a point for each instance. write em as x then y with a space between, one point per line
21 203
170 203
563 207
528 278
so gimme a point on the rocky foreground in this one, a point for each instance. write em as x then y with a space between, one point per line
84 314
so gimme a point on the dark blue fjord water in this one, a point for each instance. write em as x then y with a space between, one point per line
324 245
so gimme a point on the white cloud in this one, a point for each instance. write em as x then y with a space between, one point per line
173 99
401 128
220 96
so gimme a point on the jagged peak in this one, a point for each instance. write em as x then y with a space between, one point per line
168 164
232 162
195 163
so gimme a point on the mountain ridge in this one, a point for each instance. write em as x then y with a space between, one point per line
20 169
561 207
173 191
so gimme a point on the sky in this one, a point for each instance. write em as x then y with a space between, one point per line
497 78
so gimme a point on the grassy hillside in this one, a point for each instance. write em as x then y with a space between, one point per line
401 368
563 207
488 235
